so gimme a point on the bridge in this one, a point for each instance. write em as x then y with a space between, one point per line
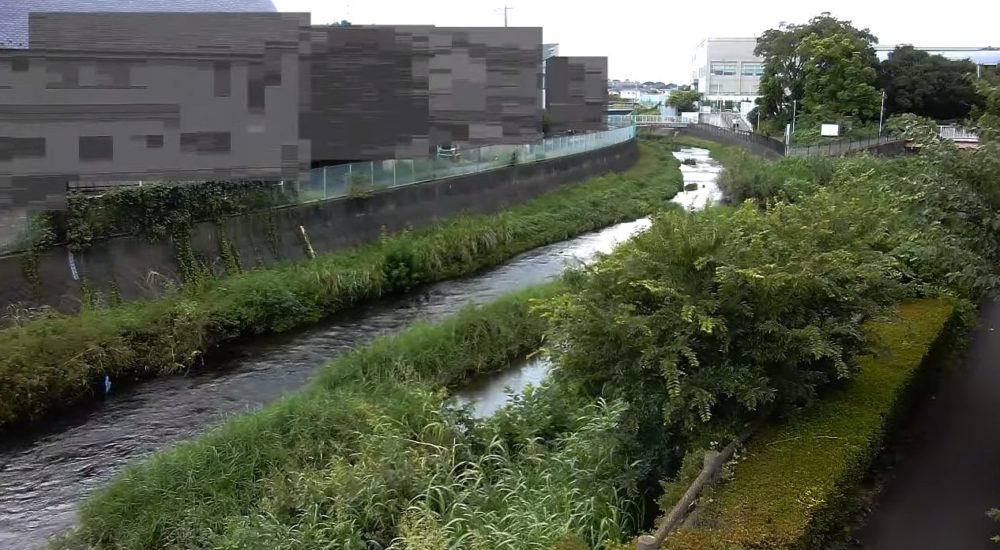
651 120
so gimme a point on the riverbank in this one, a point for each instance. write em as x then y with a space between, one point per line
53 363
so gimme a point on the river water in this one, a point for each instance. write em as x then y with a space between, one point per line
487 393
45 475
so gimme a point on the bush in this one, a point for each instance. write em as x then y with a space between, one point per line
718 314
794 484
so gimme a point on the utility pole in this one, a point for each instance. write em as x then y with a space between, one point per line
505 10
881 115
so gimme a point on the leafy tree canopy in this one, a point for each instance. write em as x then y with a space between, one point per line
684 99
797 58
928 85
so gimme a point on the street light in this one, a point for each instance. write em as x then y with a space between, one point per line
881 115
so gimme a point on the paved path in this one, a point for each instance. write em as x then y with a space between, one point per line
950 473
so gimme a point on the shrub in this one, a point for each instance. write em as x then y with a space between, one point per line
794 484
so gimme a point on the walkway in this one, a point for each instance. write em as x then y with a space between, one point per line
949 474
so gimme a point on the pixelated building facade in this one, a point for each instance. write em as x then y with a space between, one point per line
576 93
109 99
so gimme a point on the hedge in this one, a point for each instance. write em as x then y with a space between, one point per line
793 487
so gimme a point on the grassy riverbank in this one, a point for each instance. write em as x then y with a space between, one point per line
368 455
57 362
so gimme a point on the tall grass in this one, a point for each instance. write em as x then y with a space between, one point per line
370 454
56 362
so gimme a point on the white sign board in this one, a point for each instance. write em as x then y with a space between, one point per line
829 130
690 117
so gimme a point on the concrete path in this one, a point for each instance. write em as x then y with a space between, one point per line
949 475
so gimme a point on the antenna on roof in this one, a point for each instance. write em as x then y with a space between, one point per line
505 10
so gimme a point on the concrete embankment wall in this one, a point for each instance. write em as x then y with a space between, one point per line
134 268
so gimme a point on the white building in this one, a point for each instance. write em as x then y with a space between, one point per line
727 70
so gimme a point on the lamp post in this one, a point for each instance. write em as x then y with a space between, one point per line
881 115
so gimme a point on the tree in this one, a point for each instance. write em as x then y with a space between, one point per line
684 99
788 54
341 23
928 85
987 115
839 78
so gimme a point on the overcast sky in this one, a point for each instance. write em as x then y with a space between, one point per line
654 40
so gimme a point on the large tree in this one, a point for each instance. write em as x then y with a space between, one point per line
928 85
839 78
790 60
684 99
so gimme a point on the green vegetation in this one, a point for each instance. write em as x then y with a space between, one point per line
59 361
314 471
794 484
684 99
928 85
783 304
826 71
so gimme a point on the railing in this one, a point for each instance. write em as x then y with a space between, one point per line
956 133
345 180
362 178
622 120
839 148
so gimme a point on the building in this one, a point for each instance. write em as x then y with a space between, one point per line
548 51
106 98
577 94
14 13
985 58
726 69
118 98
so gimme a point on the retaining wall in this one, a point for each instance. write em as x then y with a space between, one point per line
138 269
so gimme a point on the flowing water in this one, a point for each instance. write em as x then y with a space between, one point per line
43 476
489 392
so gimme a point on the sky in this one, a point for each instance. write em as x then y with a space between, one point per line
655 39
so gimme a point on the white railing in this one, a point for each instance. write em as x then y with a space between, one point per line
956 133
644 119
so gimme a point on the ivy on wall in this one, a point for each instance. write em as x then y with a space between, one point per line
156 212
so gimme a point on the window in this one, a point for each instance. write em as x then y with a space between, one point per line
752 69
154 141
222 78
96 148
205 142
27 147
19 64
723 68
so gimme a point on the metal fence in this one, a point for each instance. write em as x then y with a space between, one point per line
840 147
362 178
359 178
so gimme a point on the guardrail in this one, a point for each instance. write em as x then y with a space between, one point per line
956 133
648 119
361 178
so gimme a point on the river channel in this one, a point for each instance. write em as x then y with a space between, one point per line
44 475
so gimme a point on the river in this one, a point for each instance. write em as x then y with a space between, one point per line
43 476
